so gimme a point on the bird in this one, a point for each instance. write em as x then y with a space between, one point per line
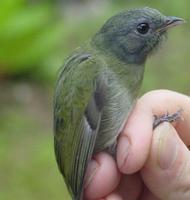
97 88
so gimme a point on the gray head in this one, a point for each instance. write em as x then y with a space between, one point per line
132 35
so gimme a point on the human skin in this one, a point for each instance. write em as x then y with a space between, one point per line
150 164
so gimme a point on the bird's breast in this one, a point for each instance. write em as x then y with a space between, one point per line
117 103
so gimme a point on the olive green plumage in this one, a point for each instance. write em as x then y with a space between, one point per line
97 87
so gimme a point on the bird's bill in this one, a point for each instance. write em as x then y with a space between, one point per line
170 22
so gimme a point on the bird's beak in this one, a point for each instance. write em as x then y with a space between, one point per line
170 22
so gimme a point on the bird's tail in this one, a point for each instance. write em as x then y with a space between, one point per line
79 197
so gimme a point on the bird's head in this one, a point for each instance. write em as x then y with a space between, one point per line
132 35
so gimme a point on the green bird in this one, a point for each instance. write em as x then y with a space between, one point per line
97 88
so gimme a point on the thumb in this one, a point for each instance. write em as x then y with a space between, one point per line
167 170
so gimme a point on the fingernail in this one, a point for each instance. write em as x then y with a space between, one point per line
168 145
90 172
123 151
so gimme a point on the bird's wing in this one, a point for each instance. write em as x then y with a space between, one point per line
76 118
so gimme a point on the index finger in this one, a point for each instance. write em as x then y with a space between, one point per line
135 140
162 101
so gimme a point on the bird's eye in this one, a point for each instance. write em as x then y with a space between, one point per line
143 28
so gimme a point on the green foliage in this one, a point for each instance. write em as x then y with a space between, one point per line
35 38
28 168
28 35
174 7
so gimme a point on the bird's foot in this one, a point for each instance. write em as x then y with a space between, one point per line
167 118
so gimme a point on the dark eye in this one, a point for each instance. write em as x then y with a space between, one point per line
143 28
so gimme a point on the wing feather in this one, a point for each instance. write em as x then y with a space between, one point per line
88 115
76 119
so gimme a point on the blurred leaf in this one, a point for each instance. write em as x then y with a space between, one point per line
27 37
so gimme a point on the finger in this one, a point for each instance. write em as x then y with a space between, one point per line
147 195
166 172
102 176
162 101
130 188
135 140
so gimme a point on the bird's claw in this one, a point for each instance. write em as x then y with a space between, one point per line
167 118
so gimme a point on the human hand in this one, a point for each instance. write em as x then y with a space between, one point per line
152 165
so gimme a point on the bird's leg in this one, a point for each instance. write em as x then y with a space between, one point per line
112 149
167 118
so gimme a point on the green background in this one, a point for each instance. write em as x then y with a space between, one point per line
35 37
